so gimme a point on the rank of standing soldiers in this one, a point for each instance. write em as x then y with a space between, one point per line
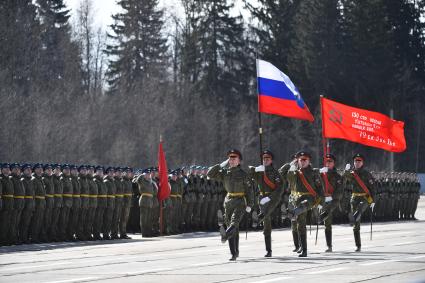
52 202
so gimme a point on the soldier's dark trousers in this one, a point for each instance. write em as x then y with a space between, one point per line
116 217
357 239
296 240
24 226
98 222
125 213
107 221
328 230
268 242
46 225
73 222
82 231
5 223
145 221
36 222
64 222
54 227
91 214
14 231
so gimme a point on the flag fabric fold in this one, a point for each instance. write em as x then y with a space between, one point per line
164 187
278 95
362 126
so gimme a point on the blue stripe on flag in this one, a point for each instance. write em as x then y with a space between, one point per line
275 89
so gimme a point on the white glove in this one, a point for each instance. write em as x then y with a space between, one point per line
248 209
328 199
323 170
265 200
224 163
319 207
347 167
260 168
372 205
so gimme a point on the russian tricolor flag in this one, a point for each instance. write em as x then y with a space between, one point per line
278 95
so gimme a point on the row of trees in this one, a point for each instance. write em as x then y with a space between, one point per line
73 93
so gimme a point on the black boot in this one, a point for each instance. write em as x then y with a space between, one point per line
232 249
303 245
296 241
358 241
328 234
268 241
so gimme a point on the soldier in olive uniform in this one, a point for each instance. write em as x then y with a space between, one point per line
269 185
332 189
58 202
82 232
27 212
8 203
46 235
176 201
239 198
18 202
306 190
363 189
102 202
116 217
126 203
109 211
68 188
146 187
73 226
92 205
40 203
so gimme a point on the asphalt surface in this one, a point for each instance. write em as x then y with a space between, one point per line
395 254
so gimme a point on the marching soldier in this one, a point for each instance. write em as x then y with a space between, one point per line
144 182
270 189
306 189
109 211
68 188
363 188
40 202
126 204
332 187
27 212
102 202
47 178
18 202
239 197
58 202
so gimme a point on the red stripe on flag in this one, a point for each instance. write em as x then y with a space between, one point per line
164 188
283 107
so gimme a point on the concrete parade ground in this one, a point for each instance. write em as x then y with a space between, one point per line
396 254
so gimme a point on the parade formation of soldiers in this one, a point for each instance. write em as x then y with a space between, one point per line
52 202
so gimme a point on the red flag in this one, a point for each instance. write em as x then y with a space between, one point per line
164 188
361 126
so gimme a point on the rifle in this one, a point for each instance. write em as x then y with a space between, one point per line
371 222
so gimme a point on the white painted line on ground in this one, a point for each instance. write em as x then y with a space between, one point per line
327 270
416 257
404 243
74 280
34 266
206 263
379 262
273 280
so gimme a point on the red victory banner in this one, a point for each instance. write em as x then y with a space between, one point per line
164 188
361 126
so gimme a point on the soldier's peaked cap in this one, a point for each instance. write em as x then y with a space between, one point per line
37 165
109 169
81 167
5 165
65 166
331 156
303 153
100 168
25 166
358 155
47 166
267 152
235 151
14 165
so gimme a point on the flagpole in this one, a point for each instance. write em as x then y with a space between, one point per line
260 128
160 204
325 143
